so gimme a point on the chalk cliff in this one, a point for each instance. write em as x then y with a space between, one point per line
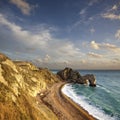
20 82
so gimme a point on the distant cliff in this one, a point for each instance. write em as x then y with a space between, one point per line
72 76
20 82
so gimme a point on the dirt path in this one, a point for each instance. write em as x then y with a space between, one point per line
62 106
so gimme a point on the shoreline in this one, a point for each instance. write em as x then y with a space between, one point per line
64 107
83 112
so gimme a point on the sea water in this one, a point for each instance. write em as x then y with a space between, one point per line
103 101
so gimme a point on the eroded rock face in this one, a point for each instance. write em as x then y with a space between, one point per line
91 78
68 74
20 82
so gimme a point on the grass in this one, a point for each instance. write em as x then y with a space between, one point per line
25 106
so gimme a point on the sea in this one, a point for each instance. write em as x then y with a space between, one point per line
102 101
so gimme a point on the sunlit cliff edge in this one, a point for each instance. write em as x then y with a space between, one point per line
20 82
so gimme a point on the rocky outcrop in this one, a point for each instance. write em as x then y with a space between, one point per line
91 79
70 75
20 82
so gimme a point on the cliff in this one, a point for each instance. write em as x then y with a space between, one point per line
72 76
20 83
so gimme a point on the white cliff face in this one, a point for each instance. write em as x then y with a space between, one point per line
7 76
20 82
22 78
10 64
2 78
23 75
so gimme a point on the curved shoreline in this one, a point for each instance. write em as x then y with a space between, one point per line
82 111
63 106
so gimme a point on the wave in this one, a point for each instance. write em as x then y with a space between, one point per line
102 87
81 100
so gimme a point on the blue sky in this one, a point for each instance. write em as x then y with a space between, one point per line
83 34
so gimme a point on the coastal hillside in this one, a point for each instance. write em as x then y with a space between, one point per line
20 83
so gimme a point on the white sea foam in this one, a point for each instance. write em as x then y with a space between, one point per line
92 110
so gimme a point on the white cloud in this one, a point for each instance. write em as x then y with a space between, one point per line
105 46
111 13
47 58
66 62
114 8
23 6
25 36
68 49
94 45
52 51
83 11
44 60
111 47
94 55
43 42
116 59
83 61
111 16
38 60
92 2
117 35
92 30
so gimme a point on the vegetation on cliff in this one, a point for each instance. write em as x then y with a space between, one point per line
20 82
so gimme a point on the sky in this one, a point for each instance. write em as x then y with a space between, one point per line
82 34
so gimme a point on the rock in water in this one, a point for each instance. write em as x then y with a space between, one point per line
91 78
68 74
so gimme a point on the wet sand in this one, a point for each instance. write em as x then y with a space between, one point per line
64 107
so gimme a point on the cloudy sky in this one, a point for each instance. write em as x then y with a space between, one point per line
83 34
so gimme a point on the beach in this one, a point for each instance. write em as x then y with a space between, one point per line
62 106
32 93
